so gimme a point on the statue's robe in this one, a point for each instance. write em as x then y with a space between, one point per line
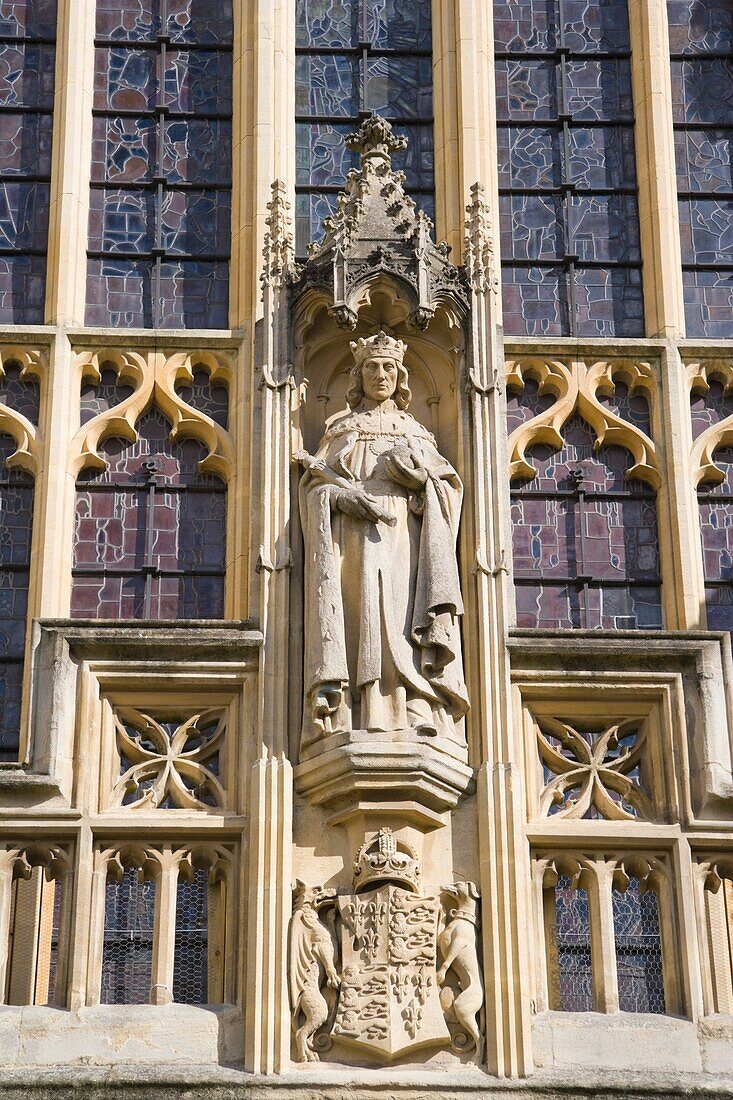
382 603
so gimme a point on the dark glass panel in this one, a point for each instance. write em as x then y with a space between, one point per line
102 396
128 20
535 301
630 406
199 81
709 303
196 223
22 394
608 301
573 984
125 79
206 397
31 19
700 26
127 953
191 948
704 160
22 289
638 950
25 144
702 91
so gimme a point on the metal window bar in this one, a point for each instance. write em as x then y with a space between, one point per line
150 568
567 189
159 185
583 580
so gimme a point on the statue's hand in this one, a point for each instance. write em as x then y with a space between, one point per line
359 505
401 467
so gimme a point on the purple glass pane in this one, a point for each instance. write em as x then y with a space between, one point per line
206 397
22 289
16 528
631 406
709 303
535 301
330 23
20 393
704 160
128 20
710 408
199 81
705 26
100 397
31 19
23 216
326 84
609 302
25 144
529 156
124 150
702 91
605 228
194 294
196 223
122 221
399 24
27 76
199 22
523 405
706 231
125 79
716 532
197 150
120 293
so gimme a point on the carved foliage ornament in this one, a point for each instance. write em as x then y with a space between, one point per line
155 379
409 973
577 387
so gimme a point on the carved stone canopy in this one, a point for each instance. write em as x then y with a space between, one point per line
376 232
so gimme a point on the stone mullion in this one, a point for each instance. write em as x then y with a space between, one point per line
464 111
71 166
683 588
599 884
85 985
677 925
7 862
655 164
497 747
164 934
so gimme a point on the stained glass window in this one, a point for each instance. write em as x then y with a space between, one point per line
586 545
160 203
355 57
638 949
150 532
27 66
570 971
715 502
571 259
16 529
701 44
127 954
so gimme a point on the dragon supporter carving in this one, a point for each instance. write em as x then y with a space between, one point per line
409 976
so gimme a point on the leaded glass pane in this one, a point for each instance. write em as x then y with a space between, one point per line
150 532
567 175
638 950
355 57
160 209
190 962
701 42
27 70
571 978
127 953
585 537
715 502
16 529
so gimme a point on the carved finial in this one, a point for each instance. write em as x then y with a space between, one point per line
479 244
380 344
278 249
375 138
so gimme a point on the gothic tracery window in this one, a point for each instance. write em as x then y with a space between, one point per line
160 204
355 57
571 260
701 45
715 504
150 532
27 77
586 545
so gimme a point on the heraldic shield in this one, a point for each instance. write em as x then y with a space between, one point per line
389 998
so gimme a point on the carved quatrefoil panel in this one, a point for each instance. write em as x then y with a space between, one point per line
592 773
169 763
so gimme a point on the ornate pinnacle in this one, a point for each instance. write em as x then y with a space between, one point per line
375 138
278 243
479 244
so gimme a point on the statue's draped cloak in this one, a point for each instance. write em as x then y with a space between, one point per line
382 603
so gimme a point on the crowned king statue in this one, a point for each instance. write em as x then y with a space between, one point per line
380 508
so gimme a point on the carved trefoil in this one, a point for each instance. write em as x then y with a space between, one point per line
409 975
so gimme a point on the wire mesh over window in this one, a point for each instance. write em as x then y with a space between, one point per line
586 544
356 57
701 44
127 956
570 244
150 531
638 950
715 503
570 971
160 204
190 967
27 75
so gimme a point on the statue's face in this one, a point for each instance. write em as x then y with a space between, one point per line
379 377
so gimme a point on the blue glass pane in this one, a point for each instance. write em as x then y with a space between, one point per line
702 91
708 304
31 19
23 216
327 85
535 301
704 26
198 81
331 23
706 229
399 24
527 26
321 156
196 223
609 301
27 76
704 160
21 393
399 87
25 144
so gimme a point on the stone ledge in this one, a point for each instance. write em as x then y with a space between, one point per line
133 1083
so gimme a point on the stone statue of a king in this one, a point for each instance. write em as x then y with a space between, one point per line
380 508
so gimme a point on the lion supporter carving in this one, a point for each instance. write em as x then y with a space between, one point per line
380 508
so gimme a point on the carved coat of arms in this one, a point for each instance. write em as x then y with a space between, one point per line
406 973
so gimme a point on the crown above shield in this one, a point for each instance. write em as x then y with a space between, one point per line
380 344
385 860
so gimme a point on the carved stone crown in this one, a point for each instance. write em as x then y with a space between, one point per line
384 859
381 344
